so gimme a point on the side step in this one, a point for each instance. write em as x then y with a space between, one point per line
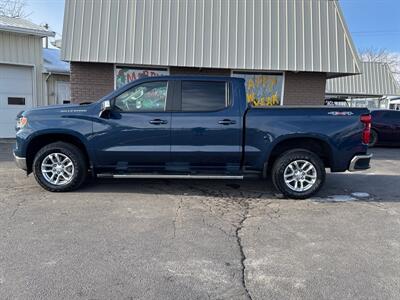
171 176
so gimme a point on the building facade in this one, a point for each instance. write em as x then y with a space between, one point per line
286 49
376 80
56 75
20 70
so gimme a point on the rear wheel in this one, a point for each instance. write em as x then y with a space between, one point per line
373 139
60 167
298 173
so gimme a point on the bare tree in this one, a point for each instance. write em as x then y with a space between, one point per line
13 8
383 56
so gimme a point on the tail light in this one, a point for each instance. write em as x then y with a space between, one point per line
366 134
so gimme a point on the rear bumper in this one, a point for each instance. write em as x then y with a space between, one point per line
20 162
360 162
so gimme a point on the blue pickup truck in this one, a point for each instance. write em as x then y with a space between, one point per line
190 127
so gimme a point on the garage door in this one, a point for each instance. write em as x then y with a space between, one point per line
16 91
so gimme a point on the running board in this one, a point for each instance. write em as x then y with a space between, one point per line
166 176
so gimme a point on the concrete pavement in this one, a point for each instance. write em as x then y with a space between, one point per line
171 239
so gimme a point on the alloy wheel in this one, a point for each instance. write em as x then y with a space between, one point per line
300 175
57 169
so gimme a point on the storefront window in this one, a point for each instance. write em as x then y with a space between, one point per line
124 75
263 89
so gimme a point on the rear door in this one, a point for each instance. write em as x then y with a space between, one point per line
136 135
205 127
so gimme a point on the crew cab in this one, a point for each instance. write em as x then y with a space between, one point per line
193 127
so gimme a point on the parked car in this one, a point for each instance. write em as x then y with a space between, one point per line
190 127
385 128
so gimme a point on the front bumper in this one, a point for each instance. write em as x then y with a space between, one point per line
20 162
360 162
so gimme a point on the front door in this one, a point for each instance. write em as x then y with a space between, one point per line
205 127
136 135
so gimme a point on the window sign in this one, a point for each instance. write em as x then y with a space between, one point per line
124 75
262 89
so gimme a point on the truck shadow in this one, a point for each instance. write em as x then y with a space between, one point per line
383 188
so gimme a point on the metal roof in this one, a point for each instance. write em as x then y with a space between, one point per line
52 62
23 26
375 80
293 35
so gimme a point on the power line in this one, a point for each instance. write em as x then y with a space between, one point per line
376 33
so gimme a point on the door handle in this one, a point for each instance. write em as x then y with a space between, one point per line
227 122
158 122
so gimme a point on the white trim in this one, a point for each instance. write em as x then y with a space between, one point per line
283 88
142 40
266 72
81 37
6 62
115 81
34 86
27 31
98 38
116 34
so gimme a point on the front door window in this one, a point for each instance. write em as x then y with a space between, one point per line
146 97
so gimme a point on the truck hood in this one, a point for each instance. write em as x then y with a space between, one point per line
57 109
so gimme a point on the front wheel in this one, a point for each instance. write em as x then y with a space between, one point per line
298 173
60 167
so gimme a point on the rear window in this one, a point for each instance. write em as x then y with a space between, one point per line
204 95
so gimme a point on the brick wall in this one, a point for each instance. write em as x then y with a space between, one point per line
90 81
304 88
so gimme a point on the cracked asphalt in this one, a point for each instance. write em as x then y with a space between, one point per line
176 239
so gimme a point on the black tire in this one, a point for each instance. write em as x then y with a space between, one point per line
373 139
76 157
283 162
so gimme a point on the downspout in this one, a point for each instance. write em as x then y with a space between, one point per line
47 88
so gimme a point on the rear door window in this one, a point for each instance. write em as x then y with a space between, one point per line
203 96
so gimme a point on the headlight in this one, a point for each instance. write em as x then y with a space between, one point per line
21 122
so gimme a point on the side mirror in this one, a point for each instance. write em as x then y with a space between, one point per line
105 108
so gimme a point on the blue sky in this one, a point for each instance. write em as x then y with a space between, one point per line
47 11
373 23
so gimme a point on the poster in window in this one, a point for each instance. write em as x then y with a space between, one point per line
124 75
262 89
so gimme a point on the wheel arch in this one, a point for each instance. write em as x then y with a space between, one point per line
40 140
316 145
